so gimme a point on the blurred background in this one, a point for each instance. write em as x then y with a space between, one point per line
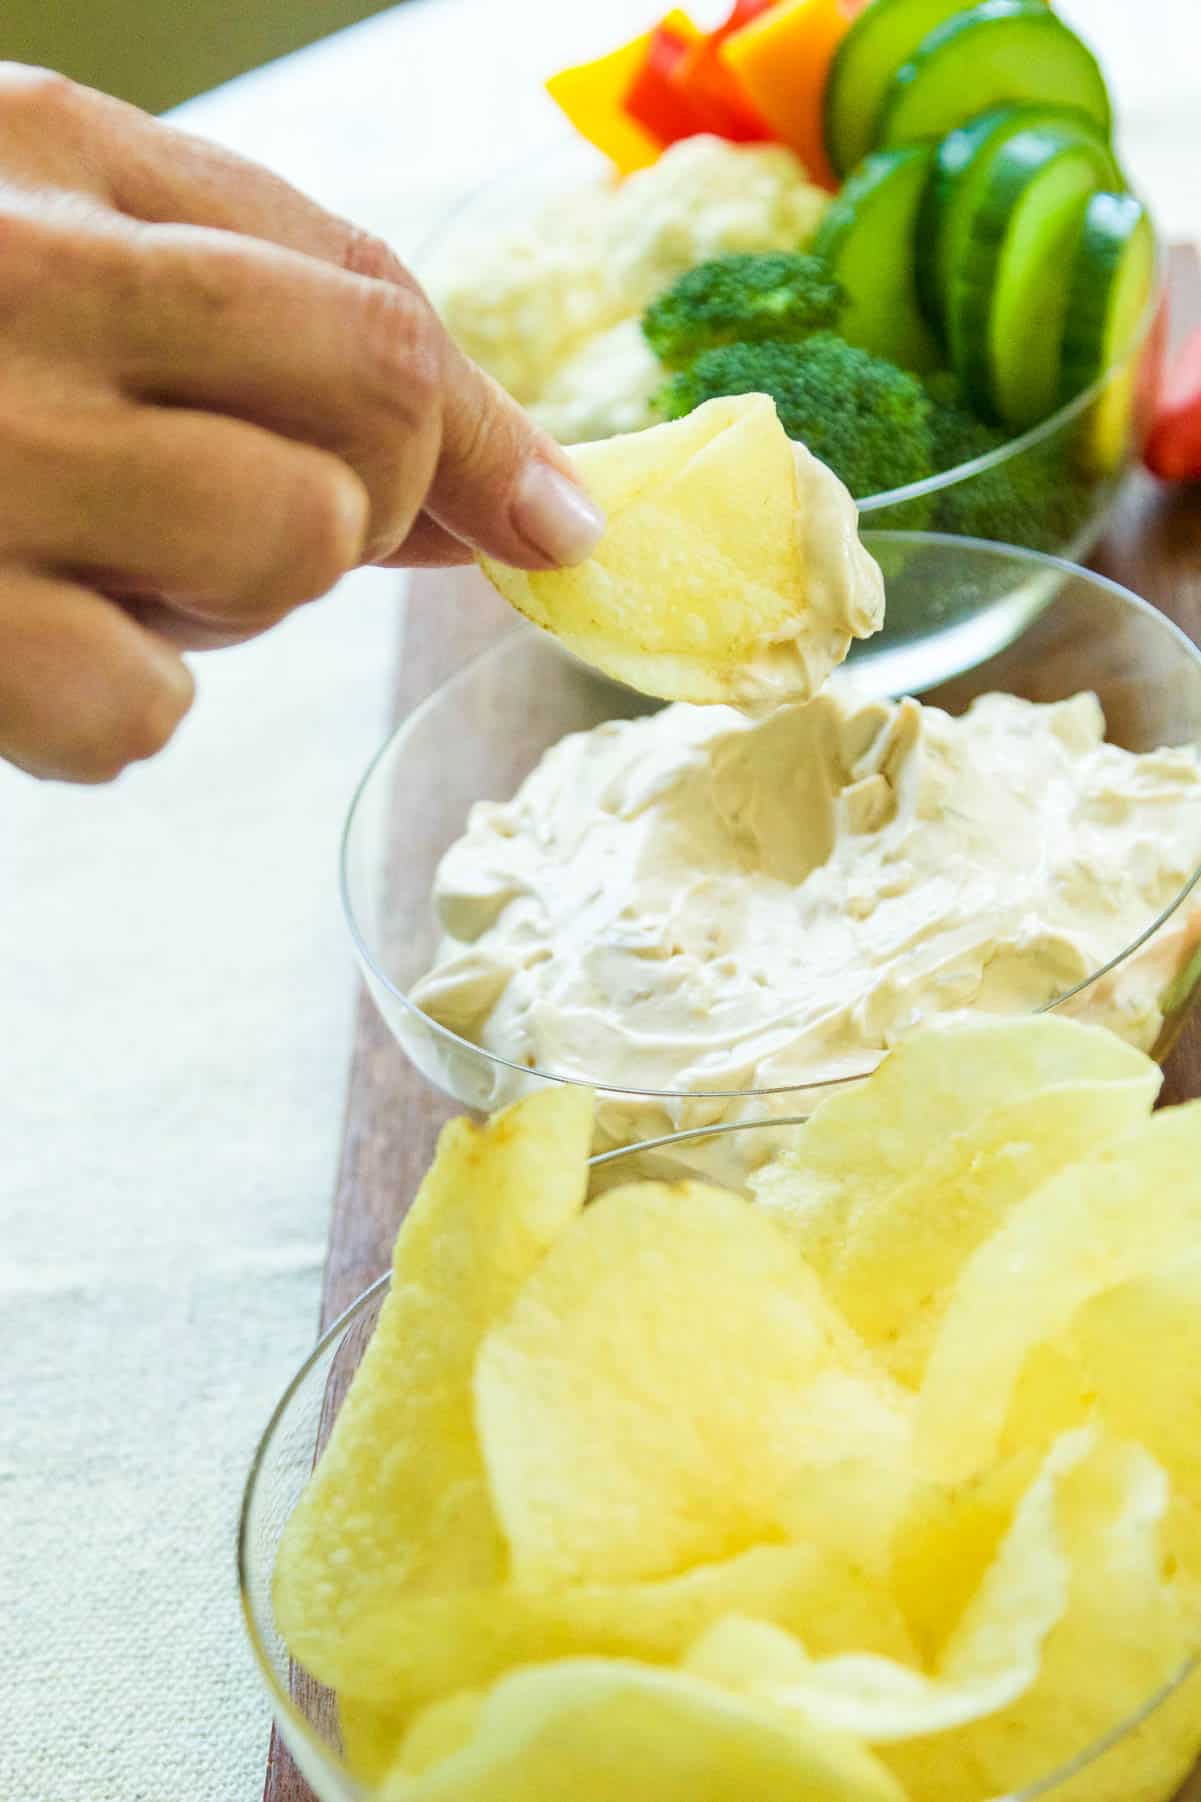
158 52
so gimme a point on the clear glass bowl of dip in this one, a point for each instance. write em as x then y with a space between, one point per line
981 498
306 1711
1028 625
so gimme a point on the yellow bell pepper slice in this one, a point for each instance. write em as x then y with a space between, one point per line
591 95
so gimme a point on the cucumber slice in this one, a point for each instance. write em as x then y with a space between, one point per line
1110 287
1003 50
1008 293
963 164
881 38
867 237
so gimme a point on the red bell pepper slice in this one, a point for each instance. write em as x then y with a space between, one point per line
653 98
714 93
740 14
1173 448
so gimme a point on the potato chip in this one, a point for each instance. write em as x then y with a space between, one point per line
440 1730
959 1198
643 1407
1116 1215
372 1735
730 563
1131 1355
945 1543
858 1437
1126 1631
428 1646
595 1730
992 1658
1139 1348
399 1500
966 1121
932 1087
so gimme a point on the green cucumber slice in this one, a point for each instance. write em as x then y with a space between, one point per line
963 164
1008 293
867 236
1110 287
1003 50
881 38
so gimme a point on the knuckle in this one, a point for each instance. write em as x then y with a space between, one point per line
42 94
321 531
334 508
148 728
27 263
189 272
90 267
369 256
135 713
403 354
132 731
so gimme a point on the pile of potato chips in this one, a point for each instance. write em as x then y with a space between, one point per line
884 1484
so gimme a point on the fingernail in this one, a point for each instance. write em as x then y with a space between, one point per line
554 515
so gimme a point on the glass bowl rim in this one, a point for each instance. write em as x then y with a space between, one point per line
455 1042
1033 436
281 1700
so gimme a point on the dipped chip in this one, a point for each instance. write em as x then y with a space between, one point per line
399 1502
730 568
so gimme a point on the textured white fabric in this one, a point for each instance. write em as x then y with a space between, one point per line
175 996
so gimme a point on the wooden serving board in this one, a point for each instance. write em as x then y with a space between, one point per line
393 1116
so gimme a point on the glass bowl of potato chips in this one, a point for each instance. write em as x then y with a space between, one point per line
1030 626
875 1479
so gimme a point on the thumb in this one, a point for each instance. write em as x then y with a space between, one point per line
501 485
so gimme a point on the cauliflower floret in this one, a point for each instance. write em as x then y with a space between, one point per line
539 307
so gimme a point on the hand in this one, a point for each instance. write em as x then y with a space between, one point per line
215 399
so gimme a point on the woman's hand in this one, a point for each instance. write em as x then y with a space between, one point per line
215 399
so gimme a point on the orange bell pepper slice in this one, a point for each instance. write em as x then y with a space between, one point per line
781 61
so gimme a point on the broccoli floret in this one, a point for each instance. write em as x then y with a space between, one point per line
1040 498
865 418
741 298
956 432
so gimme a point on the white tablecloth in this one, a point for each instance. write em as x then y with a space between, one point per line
175 996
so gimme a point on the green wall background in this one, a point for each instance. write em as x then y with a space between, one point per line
157 52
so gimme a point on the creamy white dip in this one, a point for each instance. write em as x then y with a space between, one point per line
551 309
697 901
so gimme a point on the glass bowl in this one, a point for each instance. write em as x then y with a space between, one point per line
979 499
1030 625
306 1711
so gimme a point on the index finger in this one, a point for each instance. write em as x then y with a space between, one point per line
497 482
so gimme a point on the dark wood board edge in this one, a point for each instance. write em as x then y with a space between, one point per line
393 1117
1152 545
